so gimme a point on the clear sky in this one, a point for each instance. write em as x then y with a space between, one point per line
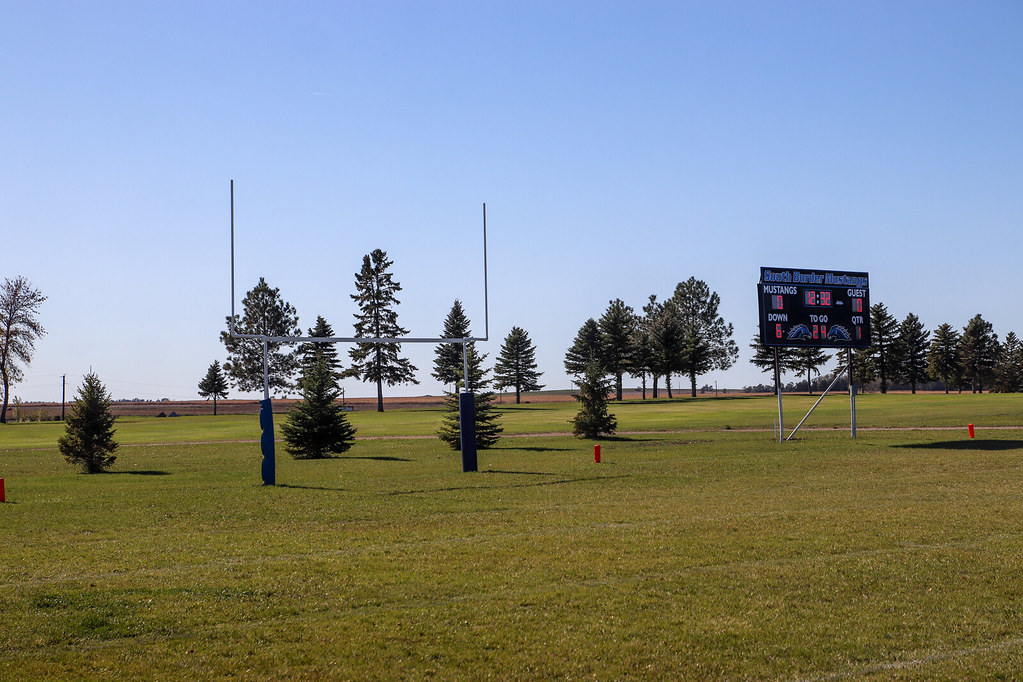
620 148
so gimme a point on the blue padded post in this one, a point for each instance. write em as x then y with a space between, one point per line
467 430
266 442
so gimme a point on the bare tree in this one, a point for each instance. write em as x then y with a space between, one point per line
19 329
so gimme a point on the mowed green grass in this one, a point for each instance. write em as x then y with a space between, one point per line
726 412
695 549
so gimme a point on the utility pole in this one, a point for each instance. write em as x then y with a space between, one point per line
63 394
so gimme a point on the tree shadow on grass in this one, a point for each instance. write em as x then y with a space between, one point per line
378 458
294 486
973 444
537 448
138 473
560 481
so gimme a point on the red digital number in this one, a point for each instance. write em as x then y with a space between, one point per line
778 302
815 330
825 298
811 298
777 330
857 305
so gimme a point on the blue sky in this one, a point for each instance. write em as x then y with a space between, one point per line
620 147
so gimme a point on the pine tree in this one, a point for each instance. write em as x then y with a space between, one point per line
912 352
617 351
516 364
651 352
763 357
708 343
884 334
1009 370
593 419
214 384
806 361
487 428
266 314
667 336
644 354
447 365
377 318
943 361
978 348
88 437
584 349
317 427
310 353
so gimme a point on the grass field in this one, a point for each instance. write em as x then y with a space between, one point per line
697 549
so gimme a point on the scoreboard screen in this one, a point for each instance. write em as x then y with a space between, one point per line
814 308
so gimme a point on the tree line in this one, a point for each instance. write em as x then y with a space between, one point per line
906 353
683 336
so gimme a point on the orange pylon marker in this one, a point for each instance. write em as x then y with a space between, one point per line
970 427
596 454
3 497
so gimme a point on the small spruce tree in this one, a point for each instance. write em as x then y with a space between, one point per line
214 384
317 426
516 364
447 363
488 431
88 439
593 418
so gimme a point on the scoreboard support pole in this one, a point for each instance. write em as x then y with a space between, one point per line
852 393
823 396
777 390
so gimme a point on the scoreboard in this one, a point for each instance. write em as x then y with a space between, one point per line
814 308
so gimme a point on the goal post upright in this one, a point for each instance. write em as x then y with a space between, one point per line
466 407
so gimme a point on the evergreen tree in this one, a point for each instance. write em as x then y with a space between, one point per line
267 314
377 318
1009 370
884 334
807 361
310 353
516 364
19 329
763 356
88 437
863 367
487 428
708 343
316 426
593 419
651 354
943 361
912 352
585 348
668 338
214 384
644 353
447 363
978 348
617 351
